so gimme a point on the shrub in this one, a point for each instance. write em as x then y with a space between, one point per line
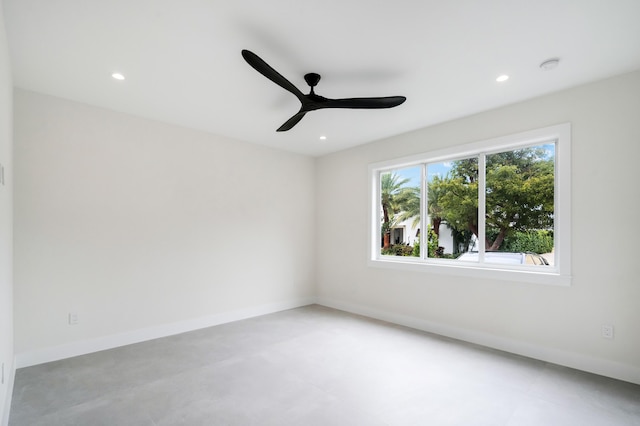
398 250
529 241
416 249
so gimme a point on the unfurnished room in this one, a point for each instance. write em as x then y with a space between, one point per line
319 213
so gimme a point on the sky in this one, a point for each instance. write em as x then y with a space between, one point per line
433 169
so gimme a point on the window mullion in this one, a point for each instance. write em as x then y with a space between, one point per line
377 214
424 209
482 209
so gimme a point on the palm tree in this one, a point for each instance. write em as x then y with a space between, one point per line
392 187
399 203
410 200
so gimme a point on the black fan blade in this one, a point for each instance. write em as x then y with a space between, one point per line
364 103
292 121
265 69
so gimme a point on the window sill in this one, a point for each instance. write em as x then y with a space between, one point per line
492 272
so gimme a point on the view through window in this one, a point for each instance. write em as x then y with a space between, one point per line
494 208
518 207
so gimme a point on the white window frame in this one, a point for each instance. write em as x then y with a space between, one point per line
558 274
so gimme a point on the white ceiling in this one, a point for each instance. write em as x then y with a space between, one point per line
183 65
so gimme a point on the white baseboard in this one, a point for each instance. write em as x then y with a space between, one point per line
68 350
10 377
556 356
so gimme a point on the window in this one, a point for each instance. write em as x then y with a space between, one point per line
498 208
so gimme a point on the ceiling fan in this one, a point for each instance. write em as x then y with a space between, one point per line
311 101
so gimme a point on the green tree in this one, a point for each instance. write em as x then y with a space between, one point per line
457 199
519 194
434 207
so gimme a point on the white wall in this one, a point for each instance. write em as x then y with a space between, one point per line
559 324
145 229
6 239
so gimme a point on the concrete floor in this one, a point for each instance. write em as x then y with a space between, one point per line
314 366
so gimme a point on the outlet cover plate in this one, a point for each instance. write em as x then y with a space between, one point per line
73 318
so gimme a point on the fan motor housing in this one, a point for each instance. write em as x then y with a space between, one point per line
312 79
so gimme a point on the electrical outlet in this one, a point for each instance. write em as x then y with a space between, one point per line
607 331
73 318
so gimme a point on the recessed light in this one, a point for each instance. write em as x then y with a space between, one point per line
117 76
502 78
550 64
323 138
